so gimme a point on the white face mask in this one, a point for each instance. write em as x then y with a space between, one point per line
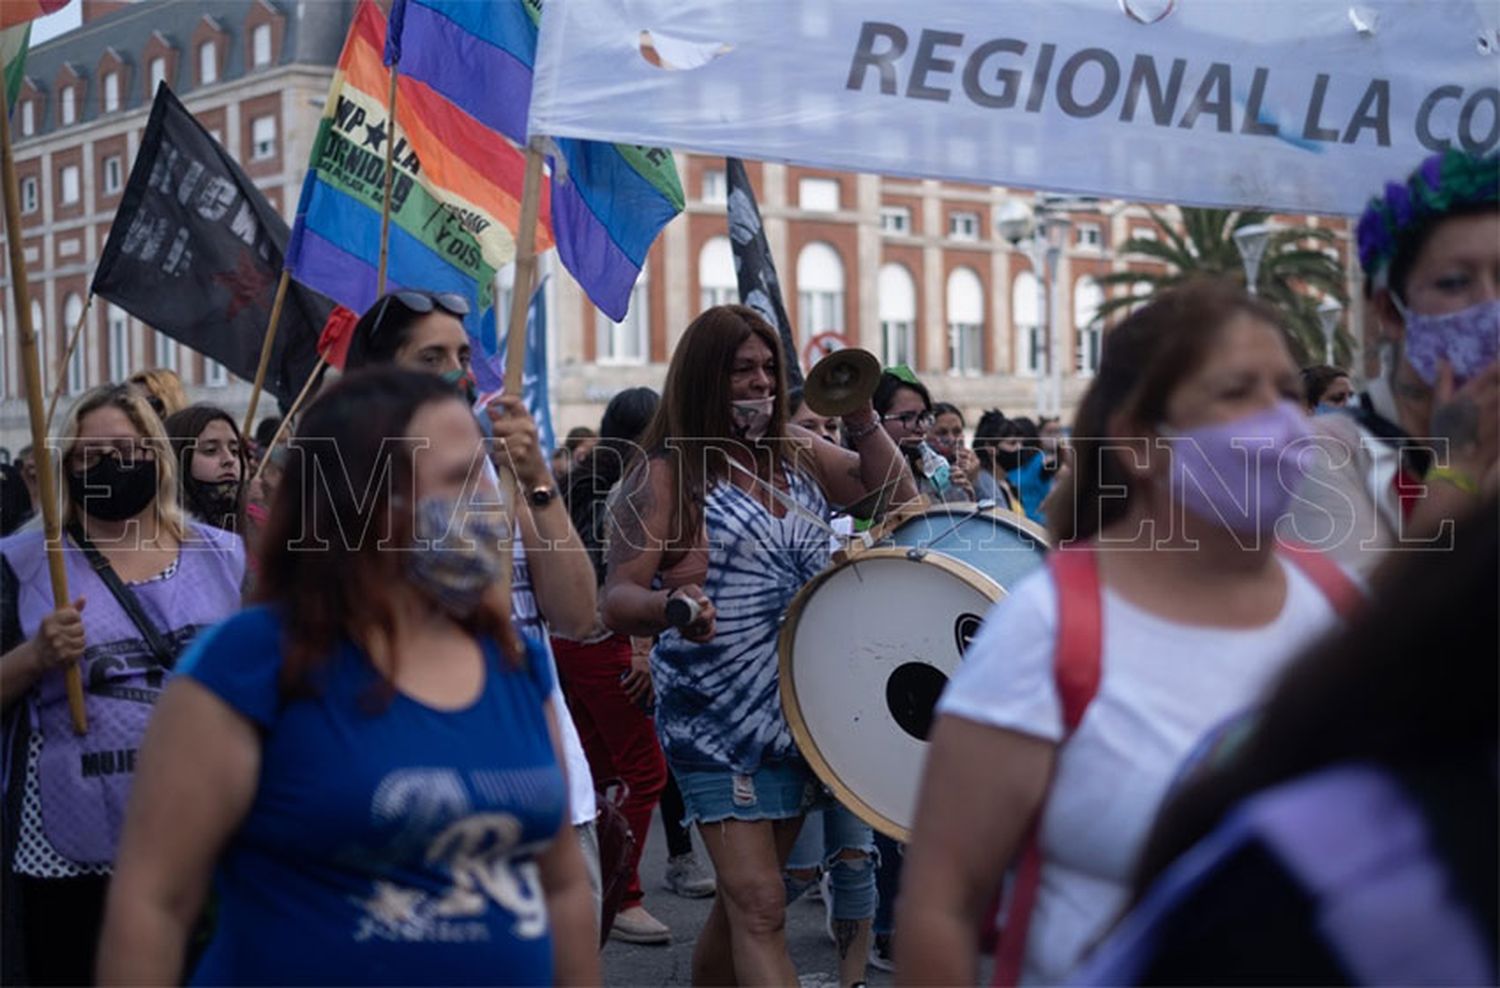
752 416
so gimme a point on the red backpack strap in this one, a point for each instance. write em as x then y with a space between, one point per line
1080 631
1343 594
1076 669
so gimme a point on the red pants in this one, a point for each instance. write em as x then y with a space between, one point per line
619 738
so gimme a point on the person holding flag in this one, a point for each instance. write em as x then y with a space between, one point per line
552 588
144 580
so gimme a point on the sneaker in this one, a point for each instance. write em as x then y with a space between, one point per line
635 925
880 952
687 878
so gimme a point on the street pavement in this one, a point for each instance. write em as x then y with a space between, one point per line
632 965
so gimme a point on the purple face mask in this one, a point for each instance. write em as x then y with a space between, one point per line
1241 473
1469 339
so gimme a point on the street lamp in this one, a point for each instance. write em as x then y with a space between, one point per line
1042 234
1251 241
1329 311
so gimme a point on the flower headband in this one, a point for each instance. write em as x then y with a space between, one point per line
1445 181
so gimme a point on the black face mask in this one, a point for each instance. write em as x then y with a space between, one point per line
217 503
113 491
1011 459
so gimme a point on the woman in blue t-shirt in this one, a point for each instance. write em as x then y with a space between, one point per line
364 763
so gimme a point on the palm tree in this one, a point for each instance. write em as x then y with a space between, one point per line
1294 274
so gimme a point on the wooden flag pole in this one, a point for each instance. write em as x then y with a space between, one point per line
520 301
286 420
31 368
265 351
62 368
520 296
390 174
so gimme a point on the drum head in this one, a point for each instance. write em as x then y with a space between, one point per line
866 650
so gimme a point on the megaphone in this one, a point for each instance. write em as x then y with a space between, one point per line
841 382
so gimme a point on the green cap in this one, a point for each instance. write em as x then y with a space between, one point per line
903 372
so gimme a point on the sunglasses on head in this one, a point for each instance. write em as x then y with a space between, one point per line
423 303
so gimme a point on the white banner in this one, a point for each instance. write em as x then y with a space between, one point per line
1291 105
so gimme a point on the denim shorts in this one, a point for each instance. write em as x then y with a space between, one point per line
775 791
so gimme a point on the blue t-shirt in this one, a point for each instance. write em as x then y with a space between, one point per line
386 844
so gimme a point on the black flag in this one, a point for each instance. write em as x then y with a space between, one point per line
195 252
756 272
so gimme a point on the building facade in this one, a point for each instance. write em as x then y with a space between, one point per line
255 73
912 270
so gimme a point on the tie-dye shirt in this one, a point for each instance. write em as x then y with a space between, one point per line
719 704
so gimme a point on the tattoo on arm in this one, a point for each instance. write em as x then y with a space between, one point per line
627 510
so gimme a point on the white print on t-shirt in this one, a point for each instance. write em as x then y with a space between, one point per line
479 851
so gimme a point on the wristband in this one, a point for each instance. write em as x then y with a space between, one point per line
1457 478
854 433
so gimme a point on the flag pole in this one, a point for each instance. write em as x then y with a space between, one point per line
390 170
62 368
32 370
520 296
286 420
520 300
265 351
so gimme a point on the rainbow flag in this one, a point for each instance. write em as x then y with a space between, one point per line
608 201
13 12
14 41
453 209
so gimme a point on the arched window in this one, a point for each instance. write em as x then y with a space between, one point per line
717 284
629 340
78 363
820 291
1087 297
1026 318
112 92
965 322
68 105
39 327
898 316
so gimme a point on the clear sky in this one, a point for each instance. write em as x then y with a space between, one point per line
49 27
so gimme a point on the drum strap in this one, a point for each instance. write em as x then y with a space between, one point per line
1076 669
1080 640
784 499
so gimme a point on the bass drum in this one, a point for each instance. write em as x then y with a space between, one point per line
869 644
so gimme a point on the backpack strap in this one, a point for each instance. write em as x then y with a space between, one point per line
1343 594
126 597
1076 670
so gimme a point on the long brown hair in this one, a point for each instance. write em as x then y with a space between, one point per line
183 429
1145 358
327 559
693 426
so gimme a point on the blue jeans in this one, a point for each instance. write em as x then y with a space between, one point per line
826 833
887 883
775 791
